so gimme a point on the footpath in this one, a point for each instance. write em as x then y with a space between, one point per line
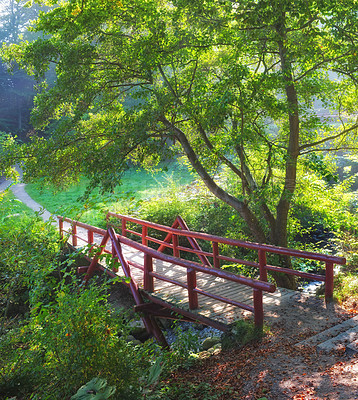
19 192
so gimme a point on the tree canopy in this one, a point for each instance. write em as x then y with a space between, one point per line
254 90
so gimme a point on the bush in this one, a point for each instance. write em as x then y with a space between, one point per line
346 288
68 342
29 251
240 333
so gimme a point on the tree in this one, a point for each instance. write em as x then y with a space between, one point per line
15 18
236 86
17 93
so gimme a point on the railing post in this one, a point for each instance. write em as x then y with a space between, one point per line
216 260
329 281
90 237
176 252
148 268
262 265
74 234
60 226
193 296
144 235
124 227
258 309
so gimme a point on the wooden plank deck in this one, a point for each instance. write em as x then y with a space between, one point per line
208 307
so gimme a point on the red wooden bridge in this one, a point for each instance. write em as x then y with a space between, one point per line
167 285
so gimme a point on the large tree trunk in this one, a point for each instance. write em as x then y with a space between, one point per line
240 206
283 207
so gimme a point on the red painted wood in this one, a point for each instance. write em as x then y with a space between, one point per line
90 236
60 226
198 267
261 248
193 242
259 310
237 243
93 265
74 235
124 227
193 296
148 280
176 252
307 275
169 280
144 235
262 265
329 281
82 270
168 238
174 234
150 324
197 317
216 260
238 261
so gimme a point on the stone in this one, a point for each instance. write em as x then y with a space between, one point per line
210 342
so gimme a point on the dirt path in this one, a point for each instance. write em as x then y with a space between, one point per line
19 192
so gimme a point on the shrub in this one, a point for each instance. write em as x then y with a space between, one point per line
70 341
346 288
240 333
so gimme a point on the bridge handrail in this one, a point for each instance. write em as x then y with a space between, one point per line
254 283
191 267
219 273
262 249
234 242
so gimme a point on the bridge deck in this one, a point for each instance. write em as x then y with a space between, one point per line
208 307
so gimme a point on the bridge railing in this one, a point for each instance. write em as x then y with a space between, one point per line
85 233
172 241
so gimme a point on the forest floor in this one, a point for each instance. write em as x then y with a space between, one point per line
276 369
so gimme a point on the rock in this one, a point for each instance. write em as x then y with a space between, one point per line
138 330
210 342
130 338
136 326
204 354
200 327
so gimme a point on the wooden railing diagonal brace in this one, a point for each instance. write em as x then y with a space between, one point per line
149 322
92 267
179 222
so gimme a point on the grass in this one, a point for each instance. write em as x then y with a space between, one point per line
10 207
137 185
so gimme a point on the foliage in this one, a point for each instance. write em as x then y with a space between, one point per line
69 334
242 87
189 391
69 341
96 389
319 204
29 253
184 348
240 333
137 187
346 288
